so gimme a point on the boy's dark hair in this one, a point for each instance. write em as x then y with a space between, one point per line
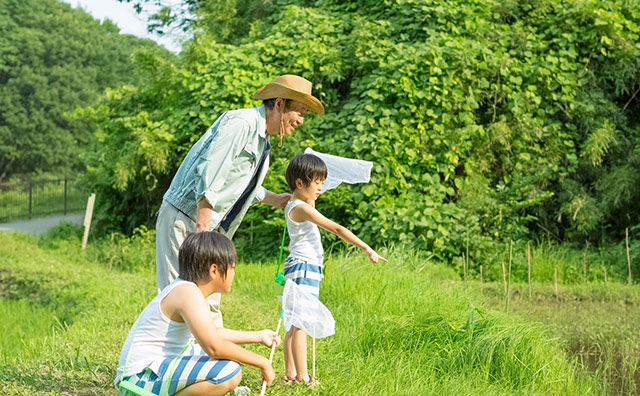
271 103
306 167
201 249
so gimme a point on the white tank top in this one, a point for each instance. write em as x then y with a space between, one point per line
304 237
157 337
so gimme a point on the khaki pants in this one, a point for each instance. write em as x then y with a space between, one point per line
172 228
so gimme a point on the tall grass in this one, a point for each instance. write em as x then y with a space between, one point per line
569 261
597 323
20 318
402 328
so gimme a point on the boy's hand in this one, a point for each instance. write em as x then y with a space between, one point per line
268 337
268 375
375 257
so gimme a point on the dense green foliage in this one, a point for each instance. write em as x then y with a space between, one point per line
443 341
486 120
53 59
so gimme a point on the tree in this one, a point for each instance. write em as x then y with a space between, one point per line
226 21
52 59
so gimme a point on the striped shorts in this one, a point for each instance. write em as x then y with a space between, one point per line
304 274
188 370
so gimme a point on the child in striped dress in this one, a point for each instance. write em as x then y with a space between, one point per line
305 176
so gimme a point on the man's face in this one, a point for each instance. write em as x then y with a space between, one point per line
293 116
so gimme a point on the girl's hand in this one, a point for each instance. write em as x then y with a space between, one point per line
268 337
375 257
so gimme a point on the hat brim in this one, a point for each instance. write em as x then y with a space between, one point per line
275 90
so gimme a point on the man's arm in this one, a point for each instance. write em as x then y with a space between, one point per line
277 200
214 167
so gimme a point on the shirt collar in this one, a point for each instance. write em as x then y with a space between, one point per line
262 121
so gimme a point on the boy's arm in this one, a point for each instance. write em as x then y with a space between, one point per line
190 305
264 337
309 213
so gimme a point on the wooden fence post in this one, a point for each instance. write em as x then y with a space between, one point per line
555 281
529 267
87 219
466 260
65 195
509 278
584 262
628 257
464 269
504 279
30 196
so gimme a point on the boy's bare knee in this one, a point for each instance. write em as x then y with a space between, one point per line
234 381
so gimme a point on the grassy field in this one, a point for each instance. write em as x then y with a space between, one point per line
598 324
407 328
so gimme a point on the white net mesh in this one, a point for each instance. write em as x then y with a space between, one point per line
340 169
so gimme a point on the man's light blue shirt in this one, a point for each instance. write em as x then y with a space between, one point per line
220 166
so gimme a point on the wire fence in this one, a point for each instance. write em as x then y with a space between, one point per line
29 199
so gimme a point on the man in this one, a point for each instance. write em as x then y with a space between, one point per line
222 174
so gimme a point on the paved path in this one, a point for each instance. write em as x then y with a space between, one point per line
41 225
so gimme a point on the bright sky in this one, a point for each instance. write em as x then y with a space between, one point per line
123 15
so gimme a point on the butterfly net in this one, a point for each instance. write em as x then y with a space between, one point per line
343 170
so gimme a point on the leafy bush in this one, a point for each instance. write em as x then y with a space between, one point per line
486 120
136 253
65 231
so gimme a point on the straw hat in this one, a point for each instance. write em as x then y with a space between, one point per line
290 87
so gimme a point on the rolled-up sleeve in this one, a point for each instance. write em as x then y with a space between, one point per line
214 164
260 194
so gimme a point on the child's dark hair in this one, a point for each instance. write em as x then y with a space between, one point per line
306 167
201 249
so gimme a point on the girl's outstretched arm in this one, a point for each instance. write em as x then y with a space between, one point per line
309 213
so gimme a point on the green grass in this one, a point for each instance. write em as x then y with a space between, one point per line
406 328
598 323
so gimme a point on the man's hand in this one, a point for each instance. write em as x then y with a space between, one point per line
204 212
277 200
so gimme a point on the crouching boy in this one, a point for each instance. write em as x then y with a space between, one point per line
174 347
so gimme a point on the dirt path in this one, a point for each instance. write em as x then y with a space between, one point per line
40 225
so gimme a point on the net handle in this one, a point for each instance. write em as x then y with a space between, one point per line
284 232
